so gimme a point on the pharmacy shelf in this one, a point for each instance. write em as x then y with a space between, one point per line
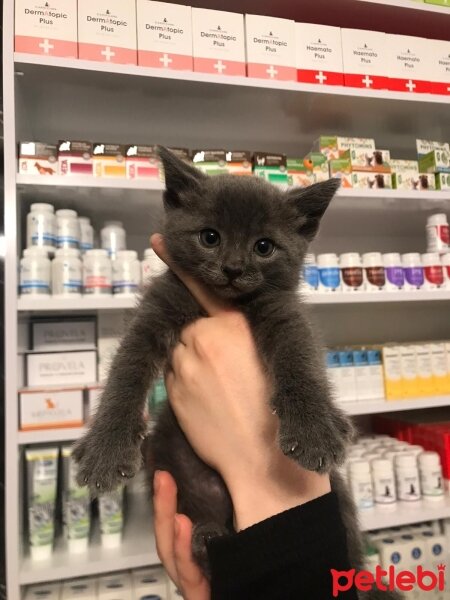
371 407
404 513
376 297
83 303
138 549
49 436
411 5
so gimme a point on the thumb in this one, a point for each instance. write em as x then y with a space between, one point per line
211 304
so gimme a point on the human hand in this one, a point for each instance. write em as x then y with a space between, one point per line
173 540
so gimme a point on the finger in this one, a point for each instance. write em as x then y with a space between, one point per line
192 582
212 305
165 508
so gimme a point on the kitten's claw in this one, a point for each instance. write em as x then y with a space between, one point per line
142 436
97 485
294 447
274 411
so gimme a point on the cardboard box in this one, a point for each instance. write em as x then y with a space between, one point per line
71 334
298 173
109 160
436 161
61 368
142 162
239 162
408 64
427 181
272 167
376 161
50 408
218 42
405 174
270 45
75 158
211 162
334 147
409 369
150 581
371 180
37 158
49 591
79 589
115 587
318 51
164 35
392 371
442 181
341 168
111 326
426 146
48 28
365 59
107 31
348 376
439 65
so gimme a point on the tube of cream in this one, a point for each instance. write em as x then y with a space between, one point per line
42 475
76 506
111 518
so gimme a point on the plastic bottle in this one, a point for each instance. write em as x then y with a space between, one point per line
152 265
394 272
67 229
431 478
35 276
126 272
86 234
41 226
433 271
374 276
310 276
445 261
67 272
361 483
407 477
383 481
329 272
97 272
438 234
413 271
113 237
351 272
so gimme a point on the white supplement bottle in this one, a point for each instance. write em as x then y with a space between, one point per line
393 271
113 238
407 477
67 272
329 272
433 271
86 234
126 272
431 478
361 483
445 261
41 226
97 272
152 265
67 229
310 275
35 276
413 271
374 277
438 235
383 481
352 278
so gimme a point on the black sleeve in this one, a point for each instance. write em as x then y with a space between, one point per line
286 557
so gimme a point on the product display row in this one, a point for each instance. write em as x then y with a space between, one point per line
356 161
140 584
168 36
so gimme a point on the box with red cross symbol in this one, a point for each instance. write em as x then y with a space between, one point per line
365 59
439 65
319 54
408 60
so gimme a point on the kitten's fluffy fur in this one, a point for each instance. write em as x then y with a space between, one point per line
313 431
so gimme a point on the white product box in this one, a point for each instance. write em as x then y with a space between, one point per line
142 162
164 35
439 65
51 336
414 550
148 582
115 587
218 42
408 63
436 549
50 408
48 28
270 45
93 395
392 552
366 180
426 146
365 58
348 377
75 158
49 591
362 375
61 368
110 328
107 31
318 52
375 378
79 589
37 158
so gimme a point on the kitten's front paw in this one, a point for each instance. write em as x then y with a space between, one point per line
106 460
201 535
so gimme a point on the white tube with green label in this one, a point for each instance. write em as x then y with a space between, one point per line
42 478
76 504
111 518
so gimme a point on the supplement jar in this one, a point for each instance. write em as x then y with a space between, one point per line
407 477
438 235
113 238
413 271
351 272
126 272
67 229
329 272
383 481
41 226
361 483
374 276
86 234
431 478
393 271
67 272
35 272
433 271
97 272
152 265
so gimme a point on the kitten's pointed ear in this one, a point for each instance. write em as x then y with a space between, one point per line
311 203
180 177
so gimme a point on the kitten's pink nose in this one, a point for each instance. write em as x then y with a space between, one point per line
232 271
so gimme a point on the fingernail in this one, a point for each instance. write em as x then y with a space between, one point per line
156 482
177 526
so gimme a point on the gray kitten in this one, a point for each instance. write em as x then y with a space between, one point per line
245 240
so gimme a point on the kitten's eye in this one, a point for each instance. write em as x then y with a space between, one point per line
264 247
209 238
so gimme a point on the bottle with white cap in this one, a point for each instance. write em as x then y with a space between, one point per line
407 477
383 481
35 272
395 279
97 272
431 478
433 271
86 234
113 237
413 271
329 272
41 226
438 234
126 272
152 265
361 483
67 229
67 272
351 272
374 276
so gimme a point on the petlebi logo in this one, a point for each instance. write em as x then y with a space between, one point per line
389 580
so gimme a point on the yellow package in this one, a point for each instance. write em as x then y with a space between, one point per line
109 160
439 368
392 370
409 371
425 379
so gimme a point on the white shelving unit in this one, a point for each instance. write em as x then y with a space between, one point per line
48 98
